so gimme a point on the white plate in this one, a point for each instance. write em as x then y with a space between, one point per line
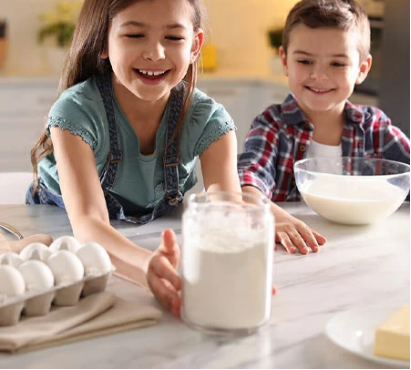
354 331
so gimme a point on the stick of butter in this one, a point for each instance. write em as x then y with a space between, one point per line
392 338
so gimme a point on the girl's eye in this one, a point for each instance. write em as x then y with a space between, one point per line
174 38
305 62
135 35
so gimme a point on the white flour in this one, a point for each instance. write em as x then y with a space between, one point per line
227 269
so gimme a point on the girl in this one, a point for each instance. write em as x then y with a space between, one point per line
123 137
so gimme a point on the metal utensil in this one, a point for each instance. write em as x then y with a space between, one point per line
11 229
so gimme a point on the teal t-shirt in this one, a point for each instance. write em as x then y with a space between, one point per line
140 178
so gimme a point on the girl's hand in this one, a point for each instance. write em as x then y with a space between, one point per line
162 274
294 234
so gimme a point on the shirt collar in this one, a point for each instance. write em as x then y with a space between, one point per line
292 114
354 114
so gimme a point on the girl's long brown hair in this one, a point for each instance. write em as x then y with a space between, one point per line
83 61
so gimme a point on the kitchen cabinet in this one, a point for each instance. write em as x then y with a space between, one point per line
244 99
24 104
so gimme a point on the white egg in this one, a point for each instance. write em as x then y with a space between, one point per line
95 259
11 281
65 243
66 267
37 275
10 258
36 251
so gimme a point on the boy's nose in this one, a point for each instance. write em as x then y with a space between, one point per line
319 72
154 52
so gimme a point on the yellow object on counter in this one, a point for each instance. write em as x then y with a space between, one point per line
392 338
209 57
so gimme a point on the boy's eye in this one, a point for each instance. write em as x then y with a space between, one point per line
338 64
174 38
304 61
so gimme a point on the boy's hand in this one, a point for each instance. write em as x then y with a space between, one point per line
162 274
294 234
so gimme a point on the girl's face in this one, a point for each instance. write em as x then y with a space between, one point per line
323 65
151 45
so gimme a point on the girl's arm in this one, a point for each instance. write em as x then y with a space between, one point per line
219 165
87 211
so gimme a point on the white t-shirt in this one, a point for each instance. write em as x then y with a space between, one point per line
317 150
321 150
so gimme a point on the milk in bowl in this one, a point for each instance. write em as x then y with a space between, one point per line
352 190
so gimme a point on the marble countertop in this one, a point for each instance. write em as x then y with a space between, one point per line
361 266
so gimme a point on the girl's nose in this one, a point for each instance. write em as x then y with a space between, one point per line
154 52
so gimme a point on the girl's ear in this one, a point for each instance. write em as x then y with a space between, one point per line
197 44
365 66
104 54
283 57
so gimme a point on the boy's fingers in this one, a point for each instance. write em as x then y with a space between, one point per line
162 267
308 238
299 242
321 240
285 241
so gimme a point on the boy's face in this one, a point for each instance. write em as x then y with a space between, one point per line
323 65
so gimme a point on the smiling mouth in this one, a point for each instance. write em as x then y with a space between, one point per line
151 75
319 91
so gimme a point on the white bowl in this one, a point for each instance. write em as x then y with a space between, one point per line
352 190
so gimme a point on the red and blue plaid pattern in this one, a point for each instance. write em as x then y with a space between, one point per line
281 135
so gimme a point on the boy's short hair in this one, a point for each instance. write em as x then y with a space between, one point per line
341 14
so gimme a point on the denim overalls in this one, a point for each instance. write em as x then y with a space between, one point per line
171 159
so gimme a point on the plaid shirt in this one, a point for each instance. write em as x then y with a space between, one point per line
281 135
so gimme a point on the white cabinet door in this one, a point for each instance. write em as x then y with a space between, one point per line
24 105
233 97
243 99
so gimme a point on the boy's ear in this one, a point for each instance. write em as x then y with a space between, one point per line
197 44
365 66
283 57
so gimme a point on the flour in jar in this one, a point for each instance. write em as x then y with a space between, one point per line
227 270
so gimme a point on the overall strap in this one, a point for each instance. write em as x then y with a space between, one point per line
171 157
115 156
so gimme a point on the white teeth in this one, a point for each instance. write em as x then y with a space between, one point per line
319 90
151 73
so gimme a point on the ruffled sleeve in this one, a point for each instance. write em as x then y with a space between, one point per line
81 111
206 121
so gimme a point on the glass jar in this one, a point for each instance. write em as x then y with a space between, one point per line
227 261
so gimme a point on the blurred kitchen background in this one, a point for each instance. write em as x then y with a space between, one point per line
241 70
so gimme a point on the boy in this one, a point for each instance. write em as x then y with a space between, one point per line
325 52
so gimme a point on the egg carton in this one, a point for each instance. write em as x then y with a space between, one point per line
34 299
38 303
